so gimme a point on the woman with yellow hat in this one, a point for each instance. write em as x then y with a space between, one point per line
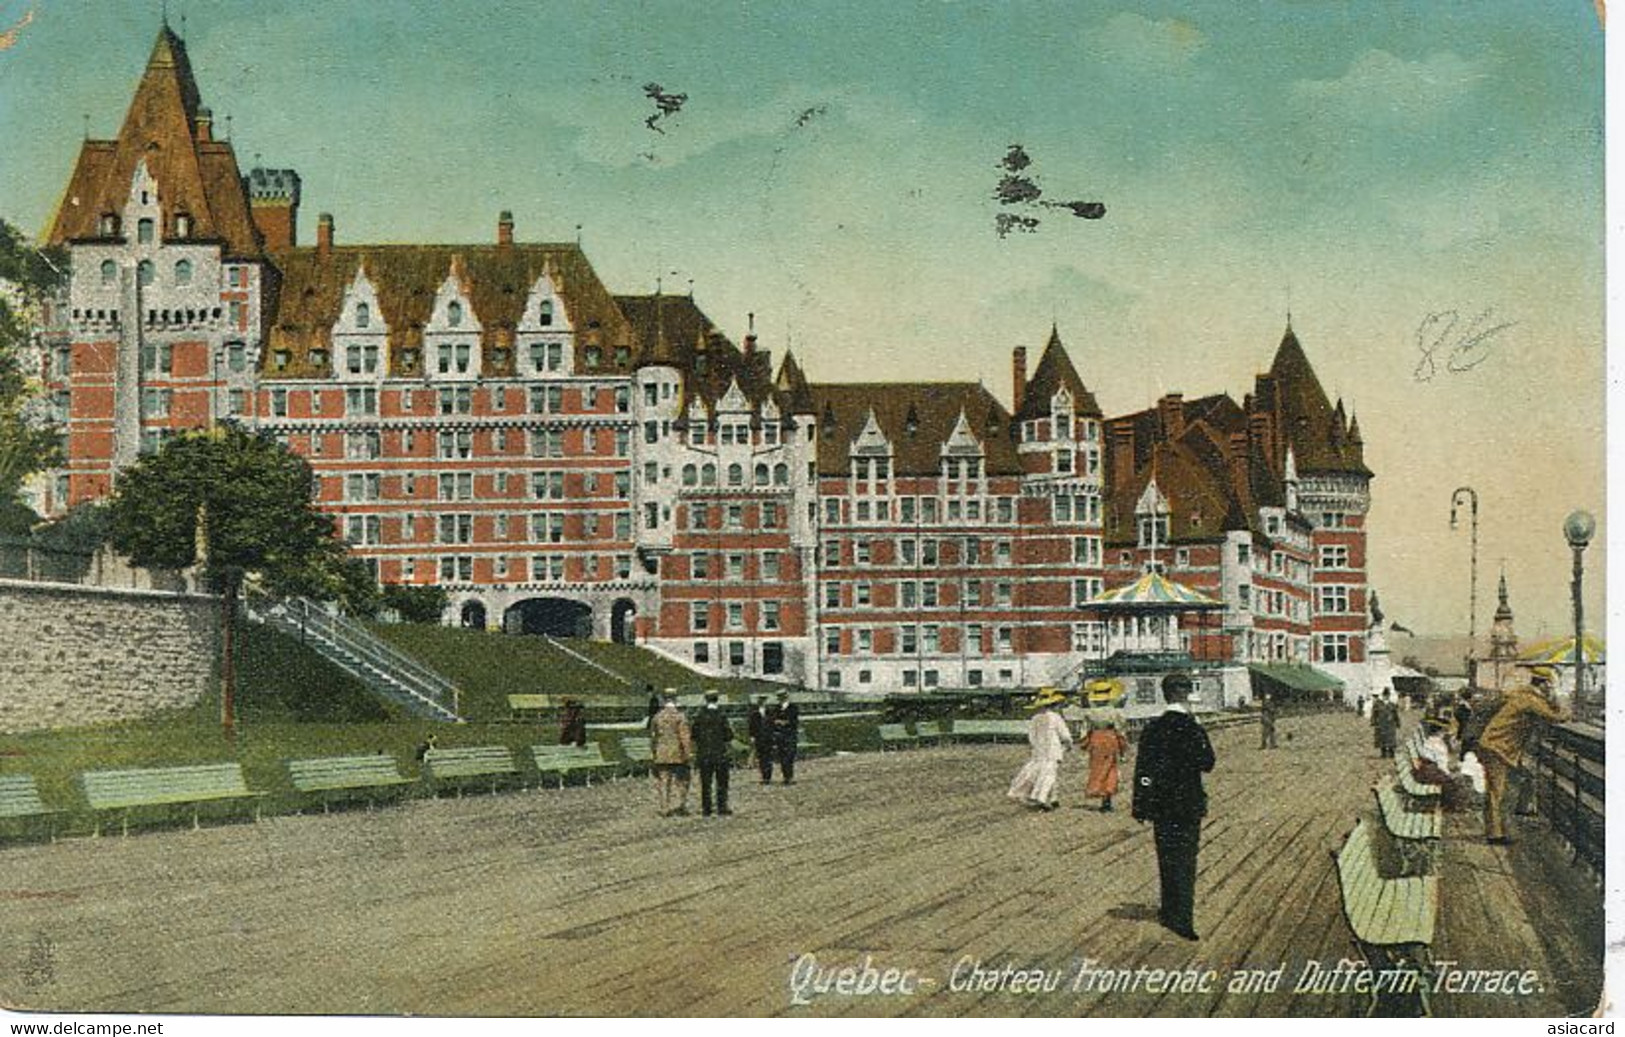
1035 784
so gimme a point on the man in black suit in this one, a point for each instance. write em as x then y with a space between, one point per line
1174 753
784 720
712 741
761 739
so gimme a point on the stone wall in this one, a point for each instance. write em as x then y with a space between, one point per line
90 655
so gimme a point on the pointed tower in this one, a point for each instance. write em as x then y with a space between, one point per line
1502 663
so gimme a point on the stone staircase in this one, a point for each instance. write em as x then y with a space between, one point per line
353 648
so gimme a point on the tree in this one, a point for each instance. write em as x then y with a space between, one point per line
241 504
416 603
29 277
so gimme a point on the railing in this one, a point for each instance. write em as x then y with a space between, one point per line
22 560
1570 787
600 667
306 618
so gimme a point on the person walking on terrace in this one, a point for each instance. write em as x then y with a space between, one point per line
713 742
1174 753
784 720
1501 746
761 738
1106 747
1047 734
672 746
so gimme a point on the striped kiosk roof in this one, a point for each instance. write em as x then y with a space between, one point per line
1154 591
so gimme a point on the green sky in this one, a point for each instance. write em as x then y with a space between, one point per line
833 170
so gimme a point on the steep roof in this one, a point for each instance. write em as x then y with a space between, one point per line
916 417
793 383
1318 432
1054 371
1192 474
197 177
497 280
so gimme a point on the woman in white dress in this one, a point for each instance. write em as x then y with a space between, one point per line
1047 733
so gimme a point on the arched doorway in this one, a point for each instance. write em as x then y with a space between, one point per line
621 622
554 617
473 615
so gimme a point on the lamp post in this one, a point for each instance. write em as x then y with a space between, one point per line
1577 529
1472 585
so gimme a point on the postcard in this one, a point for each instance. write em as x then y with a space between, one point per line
775 510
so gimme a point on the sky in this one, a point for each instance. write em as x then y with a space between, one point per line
1419 184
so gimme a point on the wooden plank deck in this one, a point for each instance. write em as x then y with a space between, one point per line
585 902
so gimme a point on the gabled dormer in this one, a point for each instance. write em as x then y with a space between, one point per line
1151 517
360 331
545 310
734 401
452 333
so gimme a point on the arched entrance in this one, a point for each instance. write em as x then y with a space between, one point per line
473 615
621 617
554 617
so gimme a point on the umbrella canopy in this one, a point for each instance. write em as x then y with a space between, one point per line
1153 591
1559 651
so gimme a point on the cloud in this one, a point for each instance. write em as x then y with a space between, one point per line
1136 41
1379 86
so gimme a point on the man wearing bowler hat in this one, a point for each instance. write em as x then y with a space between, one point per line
1174 754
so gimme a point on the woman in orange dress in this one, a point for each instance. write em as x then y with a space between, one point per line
1106 746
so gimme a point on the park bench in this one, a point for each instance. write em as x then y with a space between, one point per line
565 760
1420 792
990 730
1415 832
20 800
638 751
521 707
930 730
126 790
456 767
1392 920
896 735
338 774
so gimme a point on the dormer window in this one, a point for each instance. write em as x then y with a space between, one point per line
143 232
595 356
623 356
183 225
545 317
1153 531
454 314
109 225
363 315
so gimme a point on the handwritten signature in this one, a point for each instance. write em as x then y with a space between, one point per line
1466 343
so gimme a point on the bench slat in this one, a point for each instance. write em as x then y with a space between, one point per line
482 761
19 797
112 790
333 773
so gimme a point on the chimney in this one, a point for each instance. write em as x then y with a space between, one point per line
273 204
750 336
1237 460
1018 374
324 235
1171 415
505 228
205 125
1122 449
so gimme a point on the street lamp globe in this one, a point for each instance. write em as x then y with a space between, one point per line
1578 528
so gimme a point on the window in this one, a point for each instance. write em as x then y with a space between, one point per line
456 529
1334 599
702 652
1244 554
456 445
699 616
144 273
770 566
1334 648
860 593
1002 592
279 403
457 486
544 315
183 272
365 445
361 359
1153 530
362 486
701 564
930 639
155 403
735 516
832 641
736 615
457 569
736 649
1334 556
736 567
109 271
457 401
157 359
143 233
361 401
832 595
454 314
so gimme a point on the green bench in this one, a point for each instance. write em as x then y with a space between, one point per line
931 730
335 774
457 767
896 735
521 706
1415 832
20 800
1392 920
127 790
1419 791
991 730
565 760
638 751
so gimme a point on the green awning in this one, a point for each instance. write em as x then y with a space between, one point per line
1297 676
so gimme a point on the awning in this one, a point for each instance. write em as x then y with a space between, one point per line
1296 676
1560 652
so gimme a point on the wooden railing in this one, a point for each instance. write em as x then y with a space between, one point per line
1570 787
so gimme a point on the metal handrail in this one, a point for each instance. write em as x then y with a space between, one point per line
360 635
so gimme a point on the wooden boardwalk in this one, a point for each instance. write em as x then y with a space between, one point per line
583 902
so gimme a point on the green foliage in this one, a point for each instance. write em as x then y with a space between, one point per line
28 277
81 531
416 603
254 502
